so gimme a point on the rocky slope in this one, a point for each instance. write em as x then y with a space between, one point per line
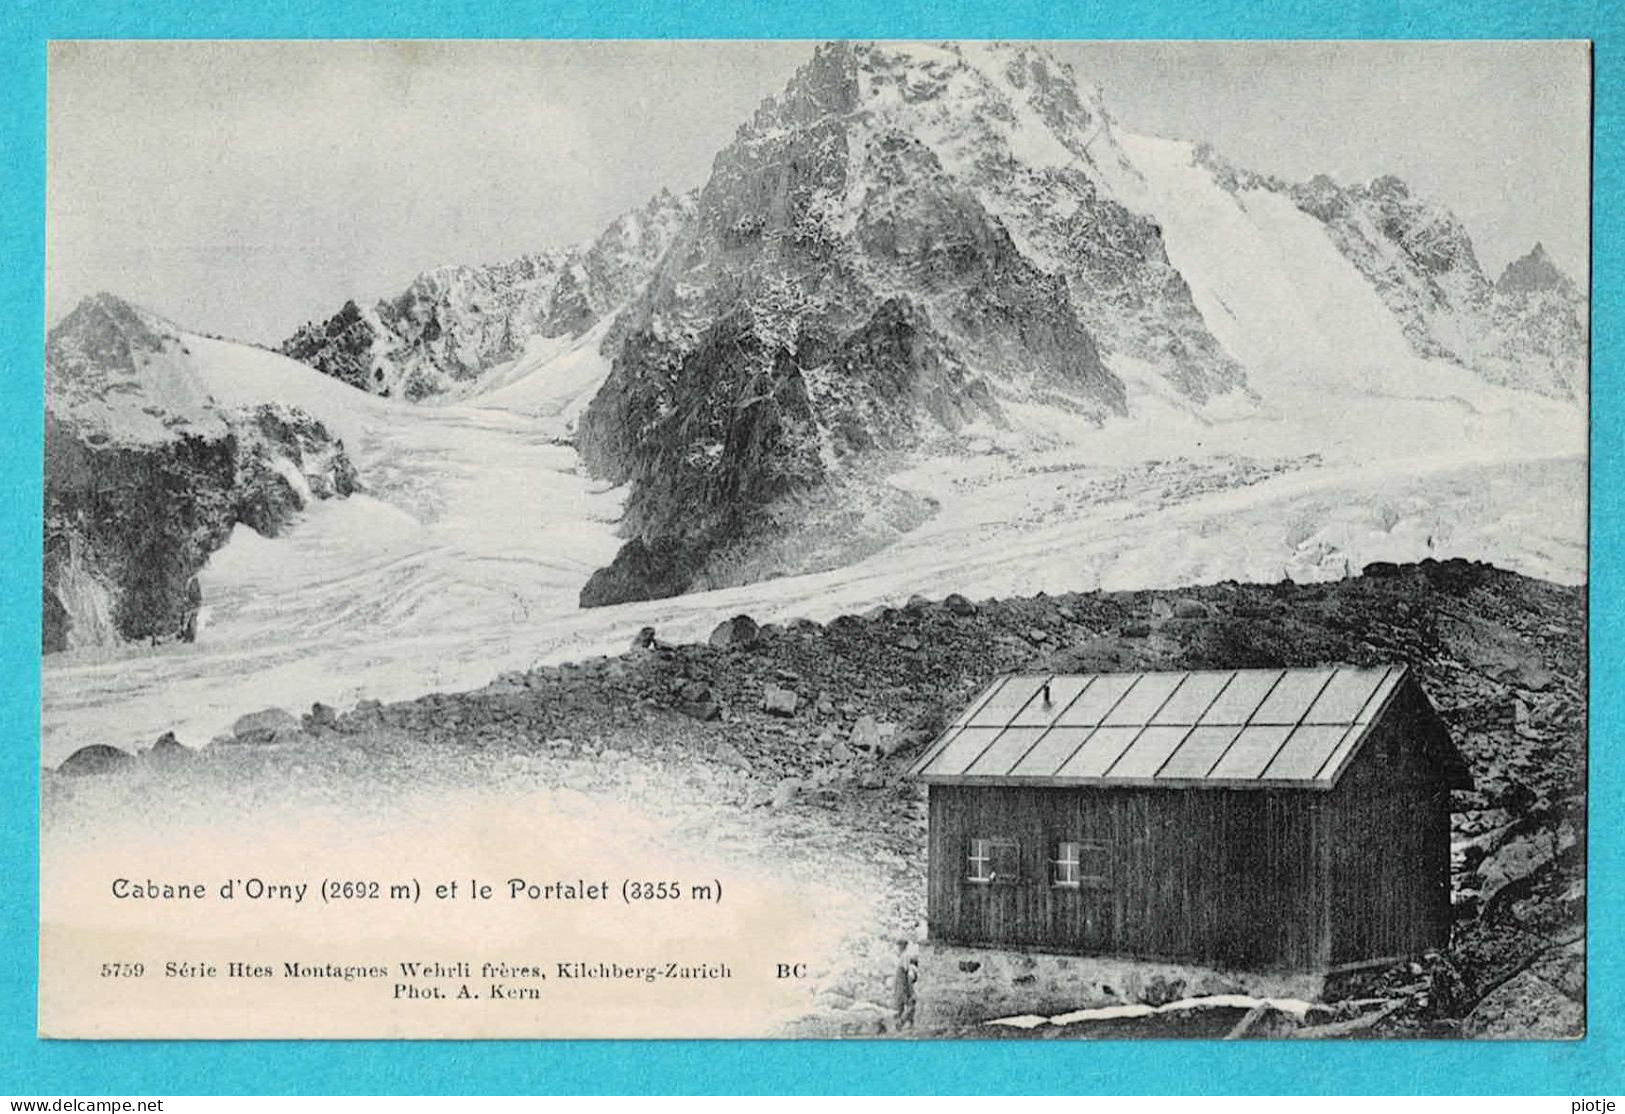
455 323
796 739
146 476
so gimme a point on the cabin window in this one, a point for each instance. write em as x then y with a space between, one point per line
1080 863
994 861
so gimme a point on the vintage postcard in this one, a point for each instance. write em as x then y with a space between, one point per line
795 539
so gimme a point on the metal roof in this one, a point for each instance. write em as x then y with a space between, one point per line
1243 728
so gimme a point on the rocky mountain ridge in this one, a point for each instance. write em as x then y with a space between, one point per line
1526 329
454 323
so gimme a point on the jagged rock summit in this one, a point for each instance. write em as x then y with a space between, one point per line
1533 271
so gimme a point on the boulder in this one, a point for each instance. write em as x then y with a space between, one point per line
959 605
736 633
908 642
167 750
865 735
778 701
917 604
1520 858
1187 608
264 724
704 710
644 639
97 758
322 715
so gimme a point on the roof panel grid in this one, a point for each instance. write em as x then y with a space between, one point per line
1288 702
1100 697
1054 748
963 749
977 703
1005 751
1001 707
1273 727
1345 747
1041 712
1251 752
1193 697
1305 751
1199 752
1148 752
1144 700
1098 752
1242 696
1380 696
1345 695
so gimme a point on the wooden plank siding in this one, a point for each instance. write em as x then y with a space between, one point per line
1222 876
1389 839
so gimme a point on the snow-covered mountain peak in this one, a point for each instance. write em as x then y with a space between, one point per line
104 331
117 373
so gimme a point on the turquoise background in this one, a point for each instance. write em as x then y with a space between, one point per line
1595 1065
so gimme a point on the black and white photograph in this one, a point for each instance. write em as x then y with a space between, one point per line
779 539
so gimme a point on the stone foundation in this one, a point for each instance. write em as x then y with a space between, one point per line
965 985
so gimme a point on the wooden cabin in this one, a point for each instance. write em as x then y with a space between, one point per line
1266 819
